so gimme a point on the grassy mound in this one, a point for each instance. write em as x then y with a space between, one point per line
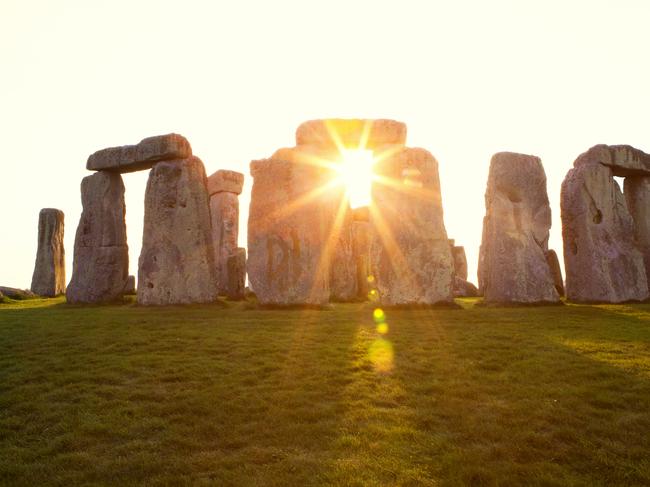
235 395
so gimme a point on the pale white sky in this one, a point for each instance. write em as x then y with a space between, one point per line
469 78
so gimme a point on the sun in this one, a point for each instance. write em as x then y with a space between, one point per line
356 173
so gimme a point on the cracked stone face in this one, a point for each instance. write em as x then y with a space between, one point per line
512 263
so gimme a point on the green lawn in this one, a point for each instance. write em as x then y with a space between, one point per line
234 395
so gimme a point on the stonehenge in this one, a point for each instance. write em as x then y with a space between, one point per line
603 244
224 188
513 268
49 270
308 246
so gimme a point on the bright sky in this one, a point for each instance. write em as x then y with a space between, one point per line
470 78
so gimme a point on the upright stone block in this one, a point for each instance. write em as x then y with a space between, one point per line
512 261
101 256
637 195
601 257
410 256
288 226
460 261
176 264
49 271
224 213
236 265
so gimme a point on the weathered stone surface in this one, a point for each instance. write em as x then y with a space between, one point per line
410 256
350 133
288 227
343 273
556 271
15 293
130 285
49 271
101 256
624 160
225 181
460 261
176 264
637 195
236 266
601 258
464 288
149 151
512 261
361 235
224 214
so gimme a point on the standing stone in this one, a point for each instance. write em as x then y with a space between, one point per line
288 225
556 271
361 234
130 286
236 265
49 272
224 187
512 261
637 195
460 261
101 256
176 263
601 257
603 263
410 255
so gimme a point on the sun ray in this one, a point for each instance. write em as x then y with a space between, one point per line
305 199
397 259
334 135
365 134
412 190
331 240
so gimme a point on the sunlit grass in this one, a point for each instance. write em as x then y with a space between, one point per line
236 395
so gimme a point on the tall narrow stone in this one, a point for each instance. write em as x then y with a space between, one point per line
101 256
224 188
288 227
637 195
49 271
236 267
176 264
410 256
512 261
361 234
601 257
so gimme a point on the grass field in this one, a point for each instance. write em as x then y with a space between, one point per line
234 395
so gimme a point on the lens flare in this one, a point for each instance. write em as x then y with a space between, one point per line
373 295
382 328
379 315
